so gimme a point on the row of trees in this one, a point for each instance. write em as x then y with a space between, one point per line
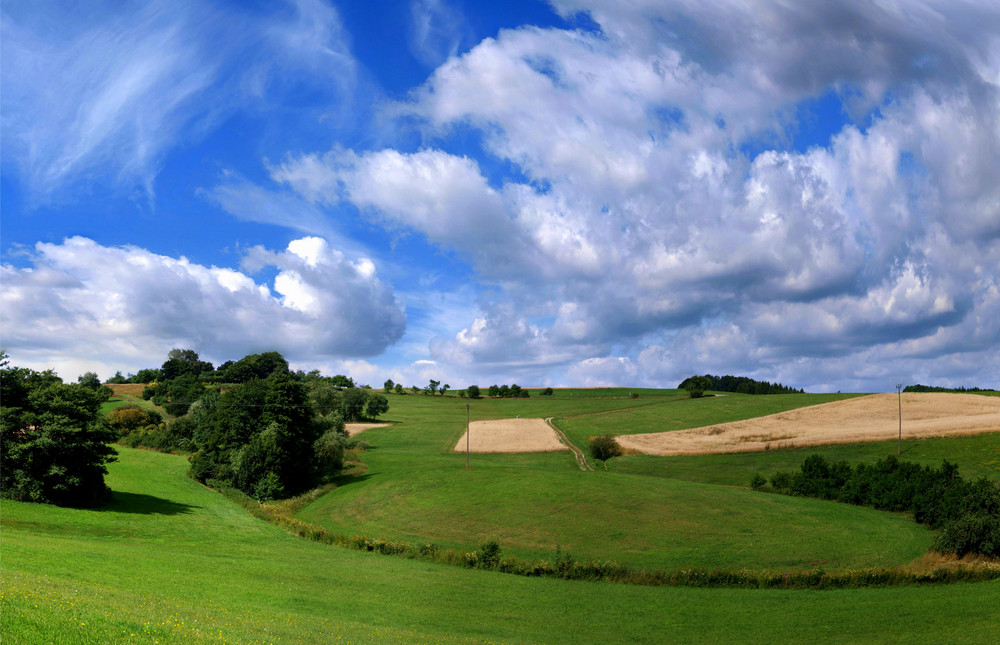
967 512
737 384
269 432
950 390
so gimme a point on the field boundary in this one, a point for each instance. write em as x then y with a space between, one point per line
581 459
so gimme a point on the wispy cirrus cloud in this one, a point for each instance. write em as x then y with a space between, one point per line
104 96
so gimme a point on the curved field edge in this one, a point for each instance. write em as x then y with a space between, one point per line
173 562
634 521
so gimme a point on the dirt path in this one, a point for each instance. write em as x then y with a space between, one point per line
581 459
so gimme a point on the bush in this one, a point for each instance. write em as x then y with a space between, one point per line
604 447
758 481
547 391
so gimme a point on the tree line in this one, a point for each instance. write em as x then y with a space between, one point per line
967 512
736 384
949 390
269 432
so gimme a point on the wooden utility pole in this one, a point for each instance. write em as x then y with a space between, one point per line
899 396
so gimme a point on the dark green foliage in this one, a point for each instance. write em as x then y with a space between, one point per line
547 391
148 375
54 443
967 512
276 436
758 481
738 384
126 419
508 392
473 391
389 385
90 380
604 447
177 394
696 386
953 390
376 406
399 388
252 366
489 555
353 404
976 529
118 378
181 362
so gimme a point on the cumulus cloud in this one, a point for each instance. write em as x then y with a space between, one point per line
97 303
667 193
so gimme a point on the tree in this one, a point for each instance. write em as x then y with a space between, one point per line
547 391
399 388
494 391
603 448
260 436
433 386
445 388
473 391
376 405
90 380
696 385
53 442
353 406
389 385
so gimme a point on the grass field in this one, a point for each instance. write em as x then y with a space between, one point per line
173 562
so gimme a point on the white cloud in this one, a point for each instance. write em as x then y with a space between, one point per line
103 96
124 307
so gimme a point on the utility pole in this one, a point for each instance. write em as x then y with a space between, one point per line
899 396
466 436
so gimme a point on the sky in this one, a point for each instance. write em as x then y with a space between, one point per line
571 193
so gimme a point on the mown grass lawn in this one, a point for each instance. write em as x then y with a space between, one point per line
173 562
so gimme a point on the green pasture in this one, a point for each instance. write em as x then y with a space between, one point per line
660 512
173 562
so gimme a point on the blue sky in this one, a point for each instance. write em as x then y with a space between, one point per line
580 192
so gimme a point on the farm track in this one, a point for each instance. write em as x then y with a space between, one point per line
581 459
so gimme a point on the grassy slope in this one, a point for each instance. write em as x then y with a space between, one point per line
173 562
416 489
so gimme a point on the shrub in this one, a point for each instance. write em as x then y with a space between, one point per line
473 391
604 447
758 481
547 391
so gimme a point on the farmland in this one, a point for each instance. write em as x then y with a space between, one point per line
171 561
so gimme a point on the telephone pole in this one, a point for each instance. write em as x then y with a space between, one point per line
899 396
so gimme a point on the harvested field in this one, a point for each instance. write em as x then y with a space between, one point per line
129 389
511 435
868 418
357 428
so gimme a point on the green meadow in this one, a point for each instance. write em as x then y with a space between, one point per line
170 561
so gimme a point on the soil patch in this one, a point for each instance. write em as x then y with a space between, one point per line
868 418
510 435
357 428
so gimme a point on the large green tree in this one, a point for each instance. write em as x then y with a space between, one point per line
54 443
